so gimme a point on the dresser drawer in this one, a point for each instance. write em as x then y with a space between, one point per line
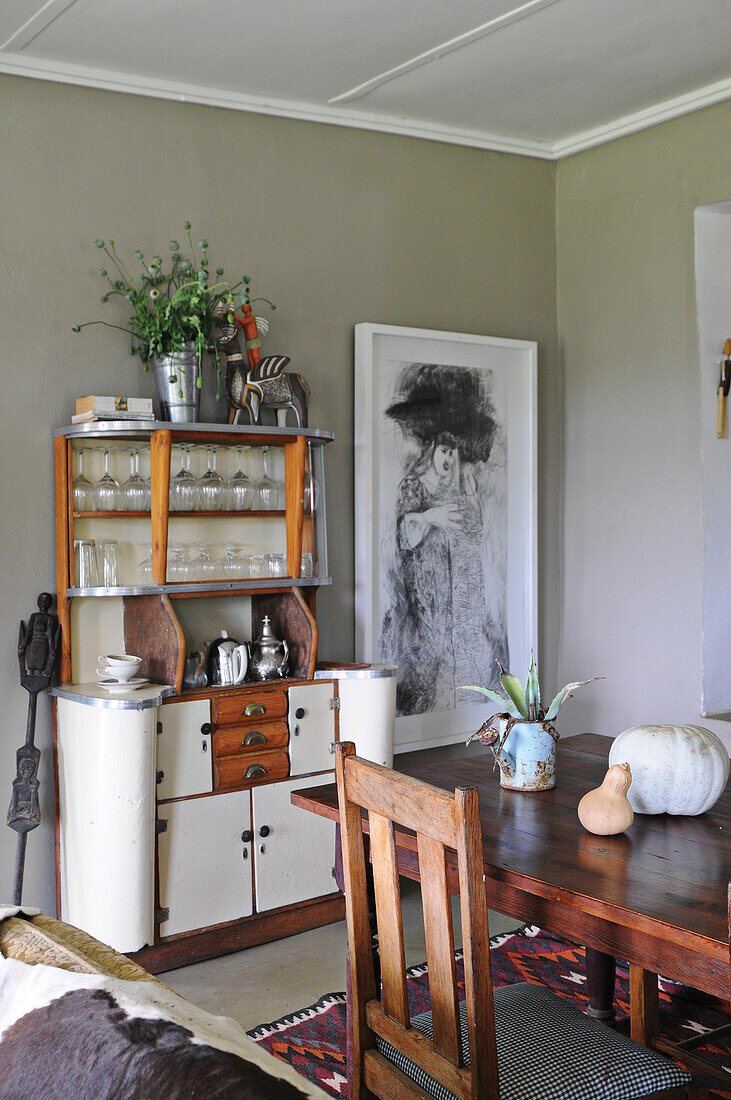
249 706
253 737
235 773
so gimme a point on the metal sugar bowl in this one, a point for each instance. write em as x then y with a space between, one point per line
269 655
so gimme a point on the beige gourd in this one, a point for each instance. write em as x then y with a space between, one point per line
606 810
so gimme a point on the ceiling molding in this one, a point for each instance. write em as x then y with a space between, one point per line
60 72
32 27
641 120
21 65
437 52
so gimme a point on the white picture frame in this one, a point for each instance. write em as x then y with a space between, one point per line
399 370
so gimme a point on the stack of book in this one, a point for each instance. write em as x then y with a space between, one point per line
112 408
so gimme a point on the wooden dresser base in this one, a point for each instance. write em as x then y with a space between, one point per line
222 939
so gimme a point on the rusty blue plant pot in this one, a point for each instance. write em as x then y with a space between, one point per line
527 756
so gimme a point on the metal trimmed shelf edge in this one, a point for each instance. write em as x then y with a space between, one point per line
204 588
125 428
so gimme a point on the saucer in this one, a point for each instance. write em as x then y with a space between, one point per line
117 687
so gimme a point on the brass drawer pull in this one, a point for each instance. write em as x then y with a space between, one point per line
256 737
254 708
254 771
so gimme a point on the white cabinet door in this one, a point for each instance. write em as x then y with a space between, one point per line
311 728
295 858
204 866
183 751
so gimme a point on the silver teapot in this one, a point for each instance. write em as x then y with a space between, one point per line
269 655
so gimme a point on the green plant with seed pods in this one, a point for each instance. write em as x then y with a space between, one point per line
173 307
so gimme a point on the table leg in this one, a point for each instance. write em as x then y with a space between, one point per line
601 972
644 1005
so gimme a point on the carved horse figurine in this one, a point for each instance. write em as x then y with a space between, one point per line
259 383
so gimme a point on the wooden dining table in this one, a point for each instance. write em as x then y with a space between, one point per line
655 895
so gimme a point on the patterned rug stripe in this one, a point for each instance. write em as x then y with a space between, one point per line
312 1040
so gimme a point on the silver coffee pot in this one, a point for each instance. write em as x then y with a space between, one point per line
269 655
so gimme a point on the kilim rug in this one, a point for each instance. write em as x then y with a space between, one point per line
313 1039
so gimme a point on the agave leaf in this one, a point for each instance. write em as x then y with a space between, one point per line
514 689
532 688
504 704
566 693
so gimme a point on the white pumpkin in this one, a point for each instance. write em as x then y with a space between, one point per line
675 769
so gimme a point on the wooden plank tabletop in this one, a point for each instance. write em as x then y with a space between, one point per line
655 895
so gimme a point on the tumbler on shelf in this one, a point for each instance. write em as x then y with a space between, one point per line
87 574
109 560
277 565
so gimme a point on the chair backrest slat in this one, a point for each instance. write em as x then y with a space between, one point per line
440 948
415 805
390 923
440 821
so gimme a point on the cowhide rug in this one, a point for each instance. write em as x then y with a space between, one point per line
66 1036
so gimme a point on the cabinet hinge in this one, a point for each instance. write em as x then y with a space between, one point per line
158 728
334 703
162 915
161 825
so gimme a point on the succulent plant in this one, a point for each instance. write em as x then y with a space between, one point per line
525 703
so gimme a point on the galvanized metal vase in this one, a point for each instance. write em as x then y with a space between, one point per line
177 385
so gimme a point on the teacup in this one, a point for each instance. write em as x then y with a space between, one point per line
118 666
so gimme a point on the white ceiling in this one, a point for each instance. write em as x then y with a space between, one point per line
543 78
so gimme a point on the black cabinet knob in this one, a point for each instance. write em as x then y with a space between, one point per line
206 729
264 831
300 712
247 836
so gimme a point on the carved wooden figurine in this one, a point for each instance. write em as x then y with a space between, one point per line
253 383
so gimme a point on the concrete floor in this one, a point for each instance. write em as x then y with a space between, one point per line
263 983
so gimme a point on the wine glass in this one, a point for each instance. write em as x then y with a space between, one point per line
267 489
203 568
107 494
311 487
212 487
239 488
178 569
233 566
184 486
145 566
82 488
135 487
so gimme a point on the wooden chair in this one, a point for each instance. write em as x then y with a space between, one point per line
525 1043
645 1021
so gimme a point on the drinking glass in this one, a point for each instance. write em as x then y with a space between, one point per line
204 568
239 488
267 490
277 565
177 565
87 574
233 566
109 557
212 487
307 565
184 486
82 488
257 565
311 487
135 487
145 566
107 494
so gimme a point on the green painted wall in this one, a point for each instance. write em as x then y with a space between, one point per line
631 418
336 225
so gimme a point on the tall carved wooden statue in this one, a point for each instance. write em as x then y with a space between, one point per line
38 644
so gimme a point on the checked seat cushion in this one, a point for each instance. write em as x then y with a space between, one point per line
548 1050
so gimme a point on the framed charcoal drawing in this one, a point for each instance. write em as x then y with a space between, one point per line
445 519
